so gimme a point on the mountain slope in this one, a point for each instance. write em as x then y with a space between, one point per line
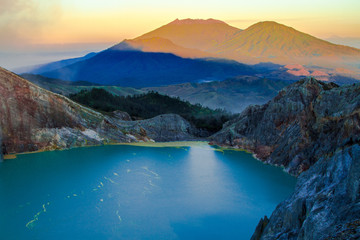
67 87
194 33
233 94
32 118
270 41
53 65
142 69
158 44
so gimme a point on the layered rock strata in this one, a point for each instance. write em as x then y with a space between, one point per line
35 119
312 129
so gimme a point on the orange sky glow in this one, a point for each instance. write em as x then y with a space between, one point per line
65 21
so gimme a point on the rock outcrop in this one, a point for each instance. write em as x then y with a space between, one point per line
166 127
260 228
302 123
326 202
35 119
122 115
312 129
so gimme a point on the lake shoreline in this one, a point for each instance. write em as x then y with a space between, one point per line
186 143
112 183
142 144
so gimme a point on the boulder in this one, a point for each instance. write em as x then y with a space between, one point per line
122 115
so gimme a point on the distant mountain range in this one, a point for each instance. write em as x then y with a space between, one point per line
194 50
67 87
133 68
233 94
262 42
37 69
271 41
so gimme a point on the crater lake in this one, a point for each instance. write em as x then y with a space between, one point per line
180 191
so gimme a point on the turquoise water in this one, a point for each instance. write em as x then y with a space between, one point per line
133 192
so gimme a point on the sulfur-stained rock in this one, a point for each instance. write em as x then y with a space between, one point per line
35 119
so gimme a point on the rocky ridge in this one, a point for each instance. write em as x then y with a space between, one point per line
302 123
244 90
312 129
32 119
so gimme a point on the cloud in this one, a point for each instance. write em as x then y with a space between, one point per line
23 21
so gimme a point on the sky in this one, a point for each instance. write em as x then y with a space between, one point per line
44 26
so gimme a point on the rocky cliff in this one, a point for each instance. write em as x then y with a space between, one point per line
35 119
325 204
312 129
302 123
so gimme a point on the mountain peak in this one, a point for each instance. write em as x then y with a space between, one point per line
271 25
194 33
309 86
189 21
271 41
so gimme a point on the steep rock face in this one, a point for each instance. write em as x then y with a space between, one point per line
312 129
302 123
260 228
325 204
35 119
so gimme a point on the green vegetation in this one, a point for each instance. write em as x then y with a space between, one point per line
151 104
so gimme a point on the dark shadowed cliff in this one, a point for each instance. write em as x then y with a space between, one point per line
325 204
312 129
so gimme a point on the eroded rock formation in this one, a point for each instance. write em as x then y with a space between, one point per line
326 202
312 129
35 119
302 123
